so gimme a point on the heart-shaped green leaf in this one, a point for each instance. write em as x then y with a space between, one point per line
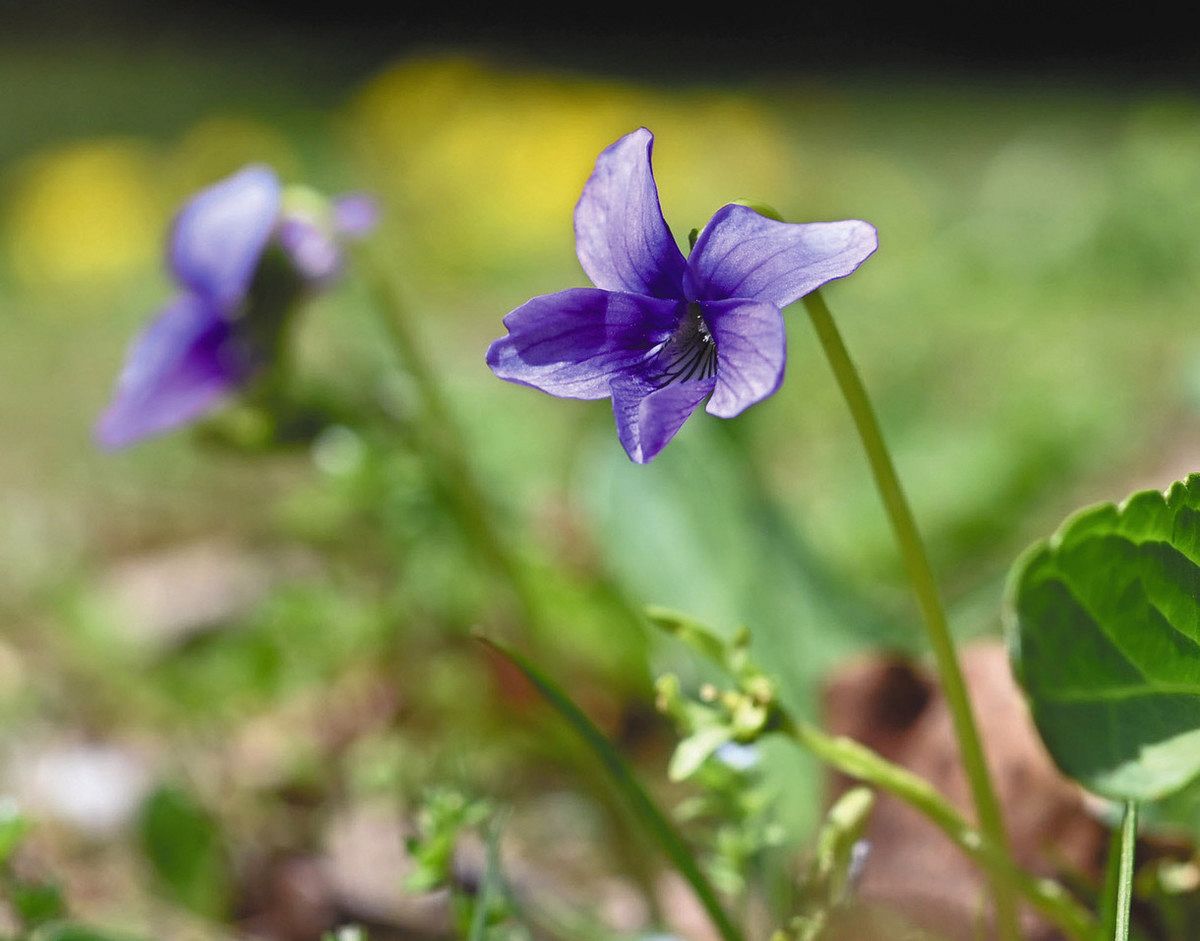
1105 639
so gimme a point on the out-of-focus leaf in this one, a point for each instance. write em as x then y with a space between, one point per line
182 842
13 828
1105 634
65 931
36 904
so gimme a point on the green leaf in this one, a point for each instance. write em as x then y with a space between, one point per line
183 844
655 822
694 750
13 828
1104 622
36 904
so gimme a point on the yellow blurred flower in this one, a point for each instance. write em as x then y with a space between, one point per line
219 146
488 164
84 212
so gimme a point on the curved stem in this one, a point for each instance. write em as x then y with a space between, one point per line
916 564
862 764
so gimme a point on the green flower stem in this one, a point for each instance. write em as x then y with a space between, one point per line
916 562
440 435
1124 893
859 762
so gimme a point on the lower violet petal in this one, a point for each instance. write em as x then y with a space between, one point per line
648 417
574 343
180 367
751 351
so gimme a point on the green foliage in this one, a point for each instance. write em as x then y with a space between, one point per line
650 817
719 717
36 903
66 931
443 817
13 828
1105 635
835 861
185 847
483 910
38 906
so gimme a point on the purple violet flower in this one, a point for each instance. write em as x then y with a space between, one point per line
659 333
243 252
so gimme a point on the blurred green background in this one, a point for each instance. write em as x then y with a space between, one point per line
272 646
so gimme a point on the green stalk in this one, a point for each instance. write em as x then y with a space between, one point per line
916 563
1108 893
654 820
859 762
1124 894
440 435
492 877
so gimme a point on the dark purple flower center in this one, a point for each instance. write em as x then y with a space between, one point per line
689 354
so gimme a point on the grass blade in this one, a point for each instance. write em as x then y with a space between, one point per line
659 827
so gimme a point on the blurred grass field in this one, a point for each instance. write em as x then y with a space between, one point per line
1027 330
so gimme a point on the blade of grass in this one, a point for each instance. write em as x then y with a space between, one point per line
491 879
656 823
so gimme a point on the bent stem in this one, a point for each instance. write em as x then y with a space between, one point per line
916 563
862 764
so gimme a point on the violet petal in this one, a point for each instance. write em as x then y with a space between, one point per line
648 417
355 214
573 343
178 368
744 255
220 235
312 250
751 350
621 237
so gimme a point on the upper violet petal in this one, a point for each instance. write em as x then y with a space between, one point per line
573 343
180 367
621 238
648 417
220 235
751 350
744 255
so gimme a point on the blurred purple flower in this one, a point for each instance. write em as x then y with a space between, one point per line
659 333
243 251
